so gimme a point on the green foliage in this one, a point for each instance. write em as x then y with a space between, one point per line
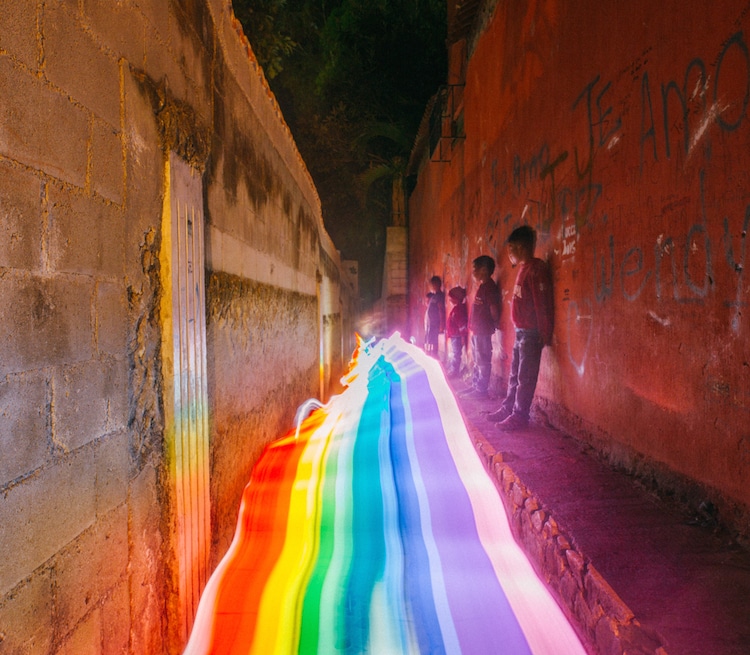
352 78
264 28
386 57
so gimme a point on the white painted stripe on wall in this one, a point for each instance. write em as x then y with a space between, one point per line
229 255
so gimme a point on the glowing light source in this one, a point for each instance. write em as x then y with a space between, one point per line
377 530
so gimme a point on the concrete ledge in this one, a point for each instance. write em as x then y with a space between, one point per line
605 624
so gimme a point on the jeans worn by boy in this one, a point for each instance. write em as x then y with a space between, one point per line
455 350
481 345
524 372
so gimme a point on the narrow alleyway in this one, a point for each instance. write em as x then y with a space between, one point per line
171 293
375 530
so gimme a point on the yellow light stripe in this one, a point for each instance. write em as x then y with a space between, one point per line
278 620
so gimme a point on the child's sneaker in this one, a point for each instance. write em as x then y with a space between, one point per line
499 415
513 423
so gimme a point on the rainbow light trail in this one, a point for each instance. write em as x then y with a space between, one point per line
377 530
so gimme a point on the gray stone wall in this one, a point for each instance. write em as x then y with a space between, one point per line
94 96
271 334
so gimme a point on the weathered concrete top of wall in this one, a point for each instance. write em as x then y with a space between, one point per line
264 214
241 60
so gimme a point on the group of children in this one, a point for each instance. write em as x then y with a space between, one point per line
532 316
456 327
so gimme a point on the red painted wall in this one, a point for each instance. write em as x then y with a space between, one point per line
621 133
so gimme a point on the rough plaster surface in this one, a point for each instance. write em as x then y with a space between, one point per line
262 342
621 136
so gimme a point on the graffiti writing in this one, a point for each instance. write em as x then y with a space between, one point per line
579 328
682 268
528 171
683 258
499 180
602 123
692 99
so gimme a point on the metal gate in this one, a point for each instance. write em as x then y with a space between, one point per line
184 359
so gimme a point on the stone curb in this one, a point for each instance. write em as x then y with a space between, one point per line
605 624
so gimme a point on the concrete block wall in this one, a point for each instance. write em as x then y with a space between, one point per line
72 493
275 297
95 94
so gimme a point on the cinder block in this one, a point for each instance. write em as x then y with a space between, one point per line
112 466
24 420
91 567
26 624
86 638
116 388
213 248
107 162
161 66
120 26
147 579
44 322
145 507
196 65
235 55
158 17
50 134
111 319
90 400
20 219
43 514
145 173
86 234
75 63
18 31
116 621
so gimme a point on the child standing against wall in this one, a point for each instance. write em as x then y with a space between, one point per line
485 319
532 314
456 330
434 317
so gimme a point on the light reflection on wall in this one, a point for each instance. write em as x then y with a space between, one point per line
377 530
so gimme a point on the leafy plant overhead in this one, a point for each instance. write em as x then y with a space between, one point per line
263 27
352 78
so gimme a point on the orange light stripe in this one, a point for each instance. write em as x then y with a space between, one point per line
238 595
